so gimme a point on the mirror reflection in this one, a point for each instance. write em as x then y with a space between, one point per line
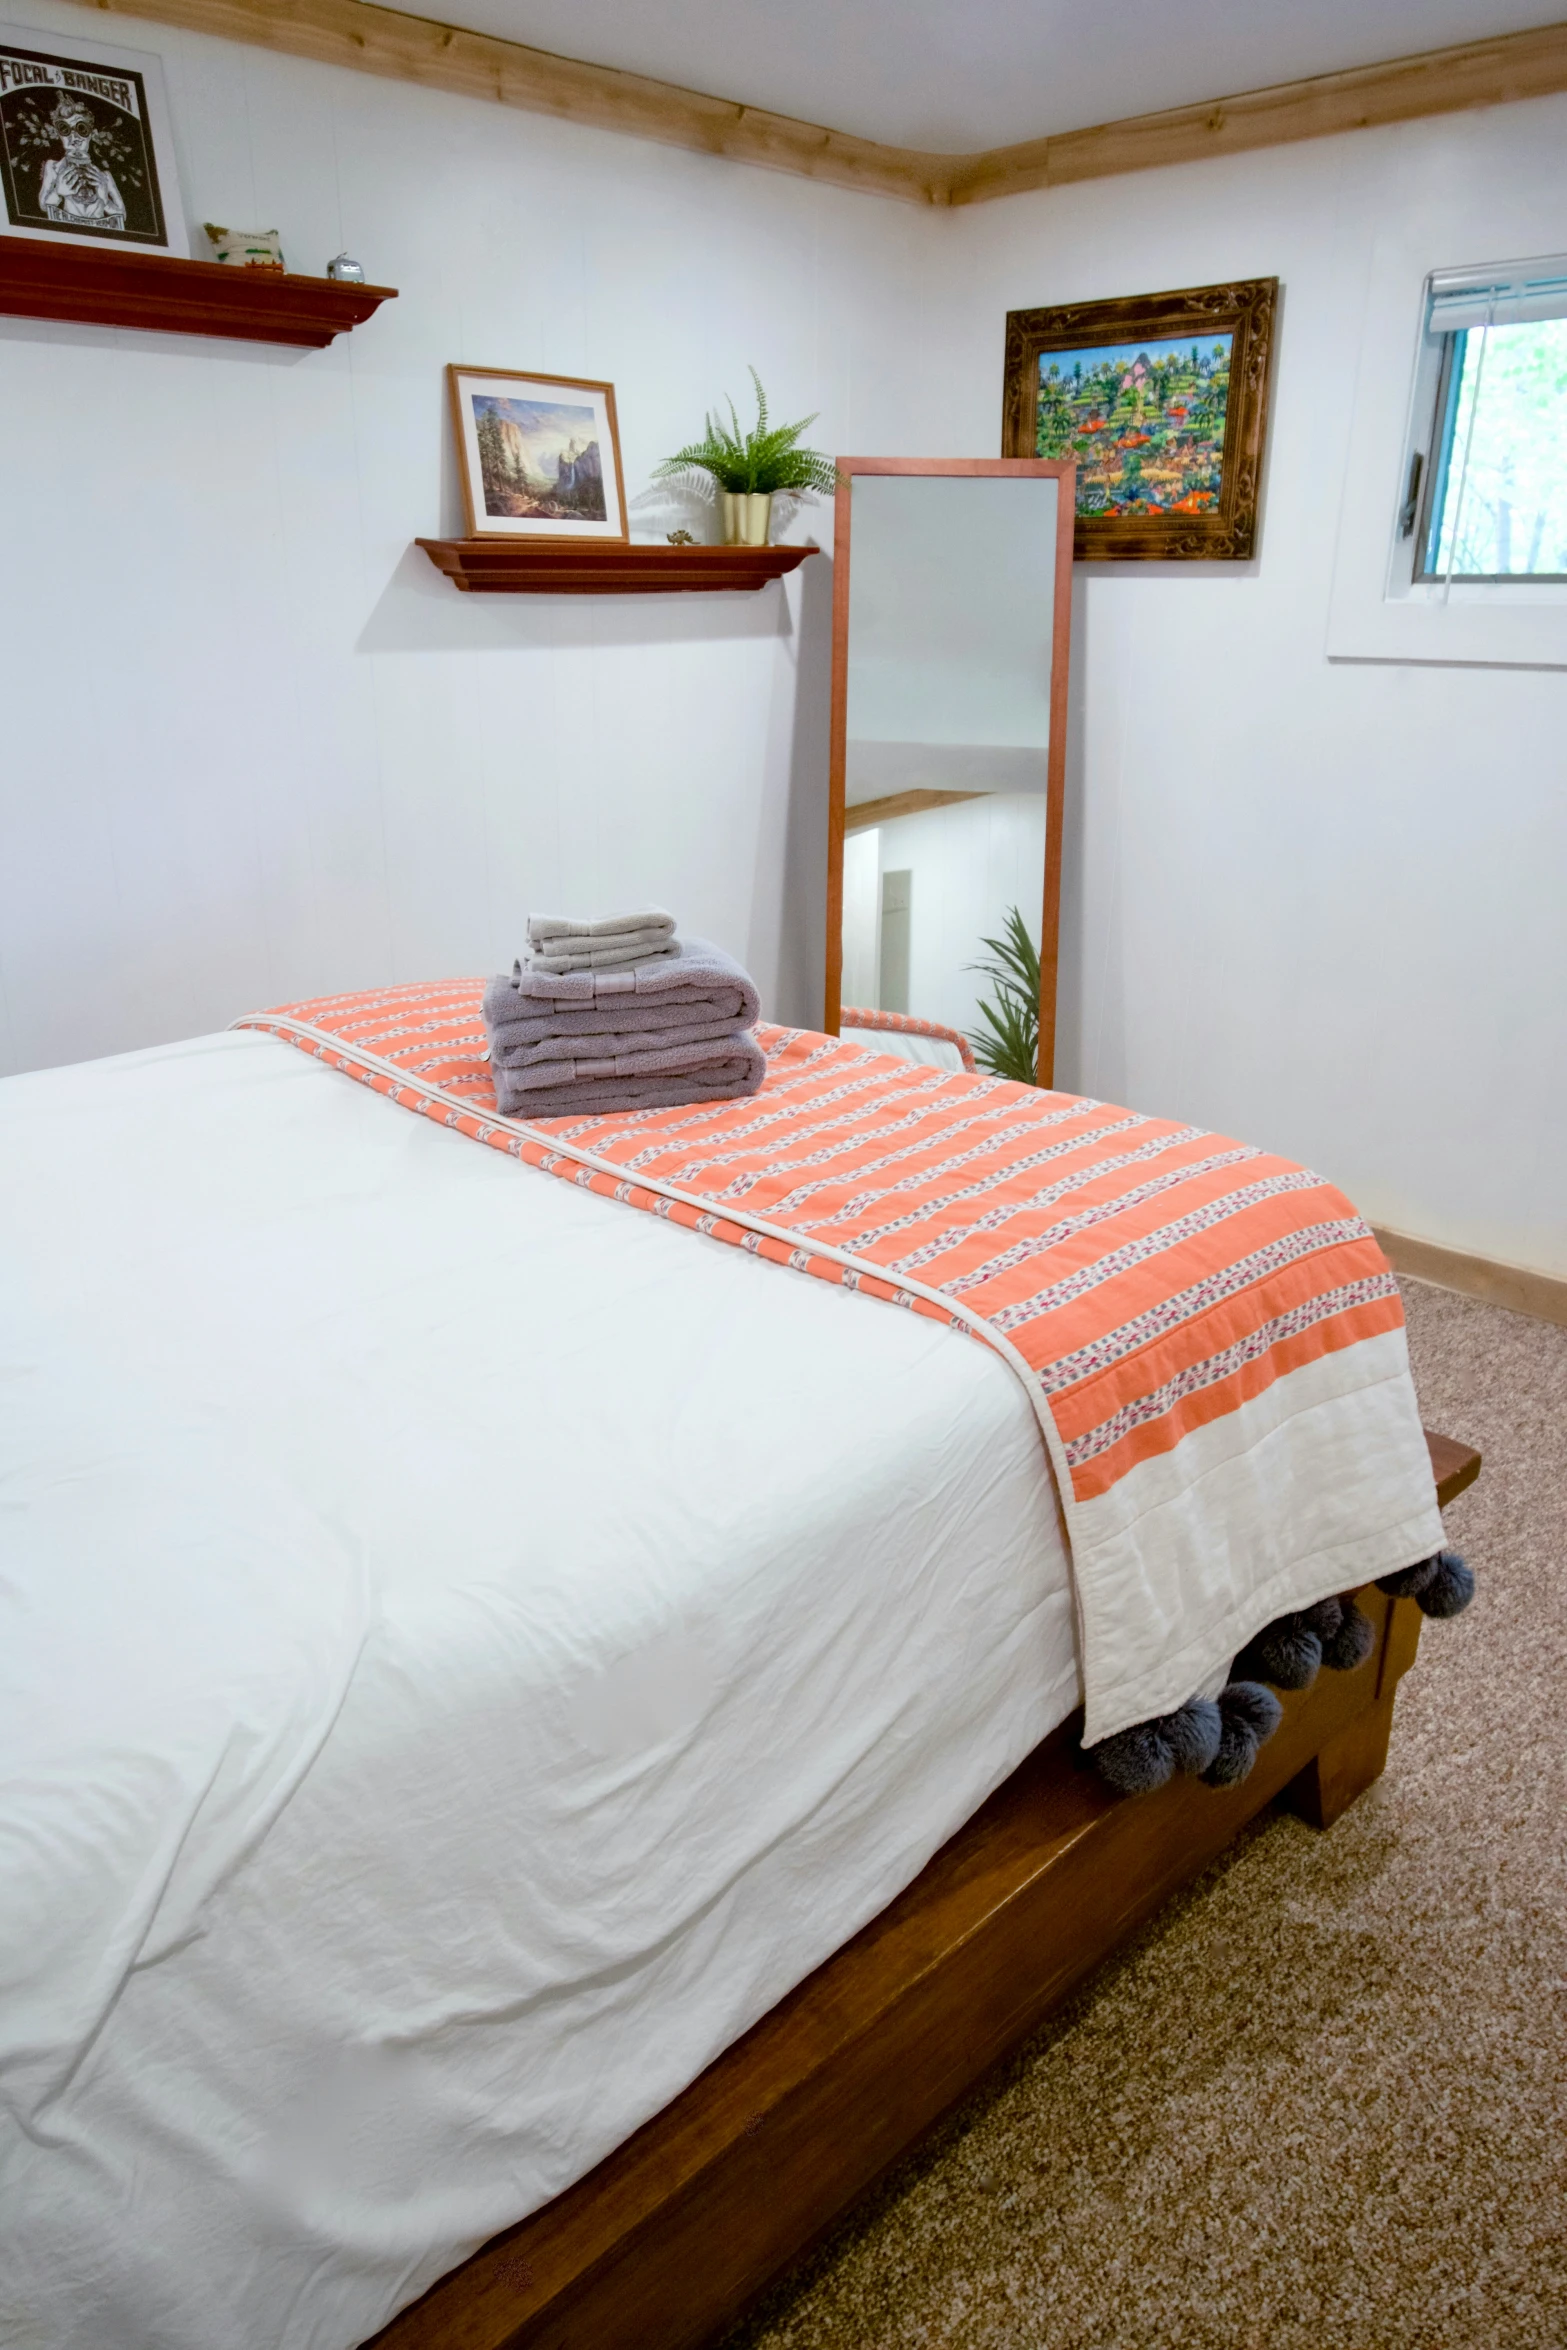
946 763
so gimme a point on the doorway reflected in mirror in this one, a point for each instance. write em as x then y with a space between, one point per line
950 654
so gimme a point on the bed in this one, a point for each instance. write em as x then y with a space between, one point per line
633 1718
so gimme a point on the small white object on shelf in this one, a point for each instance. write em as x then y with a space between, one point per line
345 269
246 248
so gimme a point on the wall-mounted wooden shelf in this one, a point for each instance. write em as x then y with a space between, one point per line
534 567
113 287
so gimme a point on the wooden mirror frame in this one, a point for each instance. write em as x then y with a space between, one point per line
1060 470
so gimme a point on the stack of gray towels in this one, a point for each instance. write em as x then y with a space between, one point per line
620 1014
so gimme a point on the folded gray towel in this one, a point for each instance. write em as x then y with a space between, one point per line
556 1052
617 1018
544 927
696 976
601 958
672 1028
739 1073
658 1060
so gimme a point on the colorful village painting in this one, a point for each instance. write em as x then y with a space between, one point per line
1145 422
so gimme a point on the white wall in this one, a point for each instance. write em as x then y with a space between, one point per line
254 746
1320 905
861 977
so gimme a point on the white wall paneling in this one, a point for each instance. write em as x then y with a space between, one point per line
255 748
1314 903
1374 612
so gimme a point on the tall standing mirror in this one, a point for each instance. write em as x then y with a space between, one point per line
951 616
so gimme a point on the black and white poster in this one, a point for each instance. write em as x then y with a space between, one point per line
85 153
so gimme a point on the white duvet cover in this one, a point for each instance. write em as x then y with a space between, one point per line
465 1651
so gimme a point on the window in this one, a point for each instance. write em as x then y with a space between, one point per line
1486 483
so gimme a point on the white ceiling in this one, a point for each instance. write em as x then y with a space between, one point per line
937 74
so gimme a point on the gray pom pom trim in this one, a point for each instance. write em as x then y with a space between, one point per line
1444 1585
1193 1734
1250 1715
1258 1708
1325 1618
1409 1582
1149 1753
1450 1589
1332 1633
1217 1740
1352 1643
1135 1760
1287 1653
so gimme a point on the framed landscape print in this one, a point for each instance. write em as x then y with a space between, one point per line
1162 399
539 455
85 152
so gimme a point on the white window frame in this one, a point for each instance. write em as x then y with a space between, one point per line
1476 299
1379 611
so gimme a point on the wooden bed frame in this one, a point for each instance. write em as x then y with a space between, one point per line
662 2246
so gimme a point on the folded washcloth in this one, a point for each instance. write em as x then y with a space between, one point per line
556 943
739 1072
695 979
543 928
604 958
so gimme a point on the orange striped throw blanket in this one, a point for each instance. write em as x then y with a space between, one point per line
1209 1335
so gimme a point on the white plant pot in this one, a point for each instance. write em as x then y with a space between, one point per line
747 517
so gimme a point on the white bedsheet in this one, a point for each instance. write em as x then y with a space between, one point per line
466 1649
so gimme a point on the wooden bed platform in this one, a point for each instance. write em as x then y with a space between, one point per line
664 2243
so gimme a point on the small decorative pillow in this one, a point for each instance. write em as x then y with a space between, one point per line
247 248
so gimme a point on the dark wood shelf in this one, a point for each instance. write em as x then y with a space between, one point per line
114 287
537 567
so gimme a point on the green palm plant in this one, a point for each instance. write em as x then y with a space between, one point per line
764 459
1008 1043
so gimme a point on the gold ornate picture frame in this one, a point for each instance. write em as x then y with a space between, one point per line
1162 400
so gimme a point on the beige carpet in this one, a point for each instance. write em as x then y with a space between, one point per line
1322 2103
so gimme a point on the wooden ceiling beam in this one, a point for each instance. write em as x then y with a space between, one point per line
475 65
384 41
1440 81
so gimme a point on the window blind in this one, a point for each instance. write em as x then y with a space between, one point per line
1518 291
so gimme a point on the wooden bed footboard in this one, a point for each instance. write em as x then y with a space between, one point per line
664 2243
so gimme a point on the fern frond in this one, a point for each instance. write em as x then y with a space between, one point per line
1008 1044
766 458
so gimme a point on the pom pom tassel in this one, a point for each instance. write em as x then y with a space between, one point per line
1351 1643
1287 1653
1149 1753
1409 1582
1451 1588
1442 1586
1217 1740
1249 1715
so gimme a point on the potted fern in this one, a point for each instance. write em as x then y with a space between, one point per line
749 469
